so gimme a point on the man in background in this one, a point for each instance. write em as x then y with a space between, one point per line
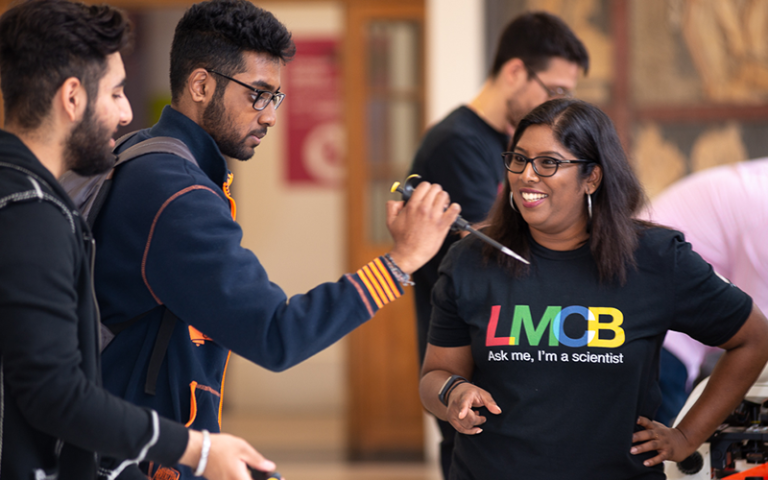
723 212
538 58
170 265
62 85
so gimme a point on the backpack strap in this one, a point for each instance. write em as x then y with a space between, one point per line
162 341
120 141
109 332
169 145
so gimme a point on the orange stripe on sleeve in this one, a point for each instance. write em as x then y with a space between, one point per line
375 282
364 278
377 271
388 277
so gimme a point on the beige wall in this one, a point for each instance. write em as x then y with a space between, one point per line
455 71
298 234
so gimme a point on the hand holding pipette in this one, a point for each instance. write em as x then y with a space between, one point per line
459 224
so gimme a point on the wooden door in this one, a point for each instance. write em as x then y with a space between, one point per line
384 79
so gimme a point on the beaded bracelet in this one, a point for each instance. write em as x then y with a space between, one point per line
400 276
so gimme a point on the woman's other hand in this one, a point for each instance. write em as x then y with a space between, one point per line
461 404
669 443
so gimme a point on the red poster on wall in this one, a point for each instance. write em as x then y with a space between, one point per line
316 140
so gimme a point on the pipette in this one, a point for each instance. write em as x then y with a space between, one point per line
459 224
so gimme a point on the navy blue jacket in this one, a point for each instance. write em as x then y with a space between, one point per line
49 393
166 237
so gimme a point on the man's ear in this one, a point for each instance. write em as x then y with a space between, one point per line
201 85
71 98
514 73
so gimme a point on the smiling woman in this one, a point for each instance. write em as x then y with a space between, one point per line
588 316
594 198
552 204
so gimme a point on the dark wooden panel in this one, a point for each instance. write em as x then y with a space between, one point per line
385 419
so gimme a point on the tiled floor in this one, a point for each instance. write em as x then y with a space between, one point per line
312 448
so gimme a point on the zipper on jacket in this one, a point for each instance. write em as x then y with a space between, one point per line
92 269
2 414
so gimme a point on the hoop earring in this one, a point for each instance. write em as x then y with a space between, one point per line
512 202
589 206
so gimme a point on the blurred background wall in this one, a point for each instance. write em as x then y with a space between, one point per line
685 81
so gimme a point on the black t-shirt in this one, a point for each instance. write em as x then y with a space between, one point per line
463 154
572 362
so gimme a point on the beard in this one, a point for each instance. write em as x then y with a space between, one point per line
222 129
87 151
515 113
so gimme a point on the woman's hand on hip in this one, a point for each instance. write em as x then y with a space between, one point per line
669 443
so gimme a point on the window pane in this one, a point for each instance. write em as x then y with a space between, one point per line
394 113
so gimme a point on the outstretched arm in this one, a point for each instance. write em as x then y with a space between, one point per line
745 356
194 246
440 363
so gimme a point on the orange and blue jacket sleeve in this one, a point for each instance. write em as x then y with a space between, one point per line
376 285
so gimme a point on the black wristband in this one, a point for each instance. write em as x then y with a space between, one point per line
453 381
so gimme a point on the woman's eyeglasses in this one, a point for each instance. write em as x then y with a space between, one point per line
543 166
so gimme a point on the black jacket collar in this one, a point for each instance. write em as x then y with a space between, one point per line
15 152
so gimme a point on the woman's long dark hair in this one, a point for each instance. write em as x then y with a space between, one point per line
589 134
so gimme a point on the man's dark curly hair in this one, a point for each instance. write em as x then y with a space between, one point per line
535 38
215 33
45 42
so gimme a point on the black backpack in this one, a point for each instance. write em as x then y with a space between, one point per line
89 194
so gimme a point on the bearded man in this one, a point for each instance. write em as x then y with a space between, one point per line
170 265
62 85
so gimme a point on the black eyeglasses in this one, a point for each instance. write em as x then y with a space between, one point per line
261 98
552 92
543 166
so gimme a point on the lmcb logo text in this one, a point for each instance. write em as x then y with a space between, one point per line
553 321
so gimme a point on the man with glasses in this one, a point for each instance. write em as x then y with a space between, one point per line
538 58
261 98
171 276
